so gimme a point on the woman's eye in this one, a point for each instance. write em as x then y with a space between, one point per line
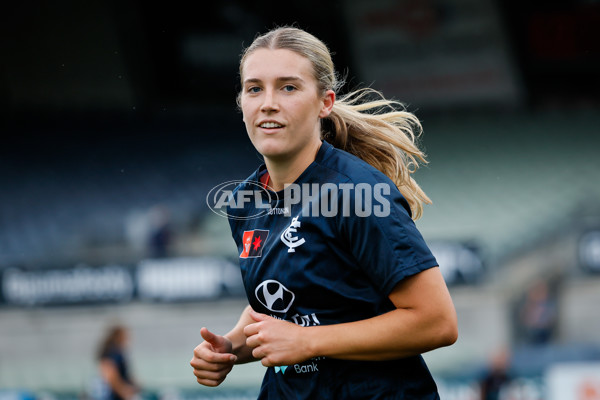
289 88
254 89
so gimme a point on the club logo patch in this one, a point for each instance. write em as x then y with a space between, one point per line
288 238
253 243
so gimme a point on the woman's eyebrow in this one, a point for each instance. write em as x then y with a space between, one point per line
290 79
252 80
279 79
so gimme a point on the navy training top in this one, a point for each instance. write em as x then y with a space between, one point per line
330 259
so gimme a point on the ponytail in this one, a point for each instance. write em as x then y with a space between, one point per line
383 134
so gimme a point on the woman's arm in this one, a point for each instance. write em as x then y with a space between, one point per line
424 319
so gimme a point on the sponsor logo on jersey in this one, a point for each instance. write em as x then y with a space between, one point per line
288 238
300 368
280 211
274 296
308 366
253 243
281 369
306 320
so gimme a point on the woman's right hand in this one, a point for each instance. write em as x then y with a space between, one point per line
213 359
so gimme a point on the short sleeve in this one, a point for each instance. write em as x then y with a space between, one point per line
382 236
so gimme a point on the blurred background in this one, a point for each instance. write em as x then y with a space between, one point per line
118 117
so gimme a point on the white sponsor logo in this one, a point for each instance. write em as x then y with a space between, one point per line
274 296
247 244
306 320
303 369
280 211
287 236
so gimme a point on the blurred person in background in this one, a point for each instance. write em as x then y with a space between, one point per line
497 376
114 367
538 314
160 238
353 301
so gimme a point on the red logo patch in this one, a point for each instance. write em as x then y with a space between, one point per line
253 243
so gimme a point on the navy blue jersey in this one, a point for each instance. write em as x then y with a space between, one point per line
330 260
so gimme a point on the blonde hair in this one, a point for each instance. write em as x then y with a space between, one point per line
364 123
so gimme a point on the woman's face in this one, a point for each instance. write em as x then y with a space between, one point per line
281 104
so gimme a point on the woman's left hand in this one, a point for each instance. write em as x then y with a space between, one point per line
276 342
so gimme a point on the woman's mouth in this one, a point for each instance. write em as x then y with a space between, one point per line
270 125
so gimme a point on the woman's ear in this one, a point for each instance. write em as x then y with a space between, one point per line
328 101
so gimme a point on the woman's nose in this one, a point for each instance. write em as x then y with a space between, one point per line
269 101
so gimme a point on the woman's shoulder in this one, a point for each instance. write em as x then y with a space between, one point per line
353 168
344 167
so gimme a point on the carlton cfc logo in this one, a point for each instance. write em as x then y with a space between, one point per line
288 238
253 243
274 296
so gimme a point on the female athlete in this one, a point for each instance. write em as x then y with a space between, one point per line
344 294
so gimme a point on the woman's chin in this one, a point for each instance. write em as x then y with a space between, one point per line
272 152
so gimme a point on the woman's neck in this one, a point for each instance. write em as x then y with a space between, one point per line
286 170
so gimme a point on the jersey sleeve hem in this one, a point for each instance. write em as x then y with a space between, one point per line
404 273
